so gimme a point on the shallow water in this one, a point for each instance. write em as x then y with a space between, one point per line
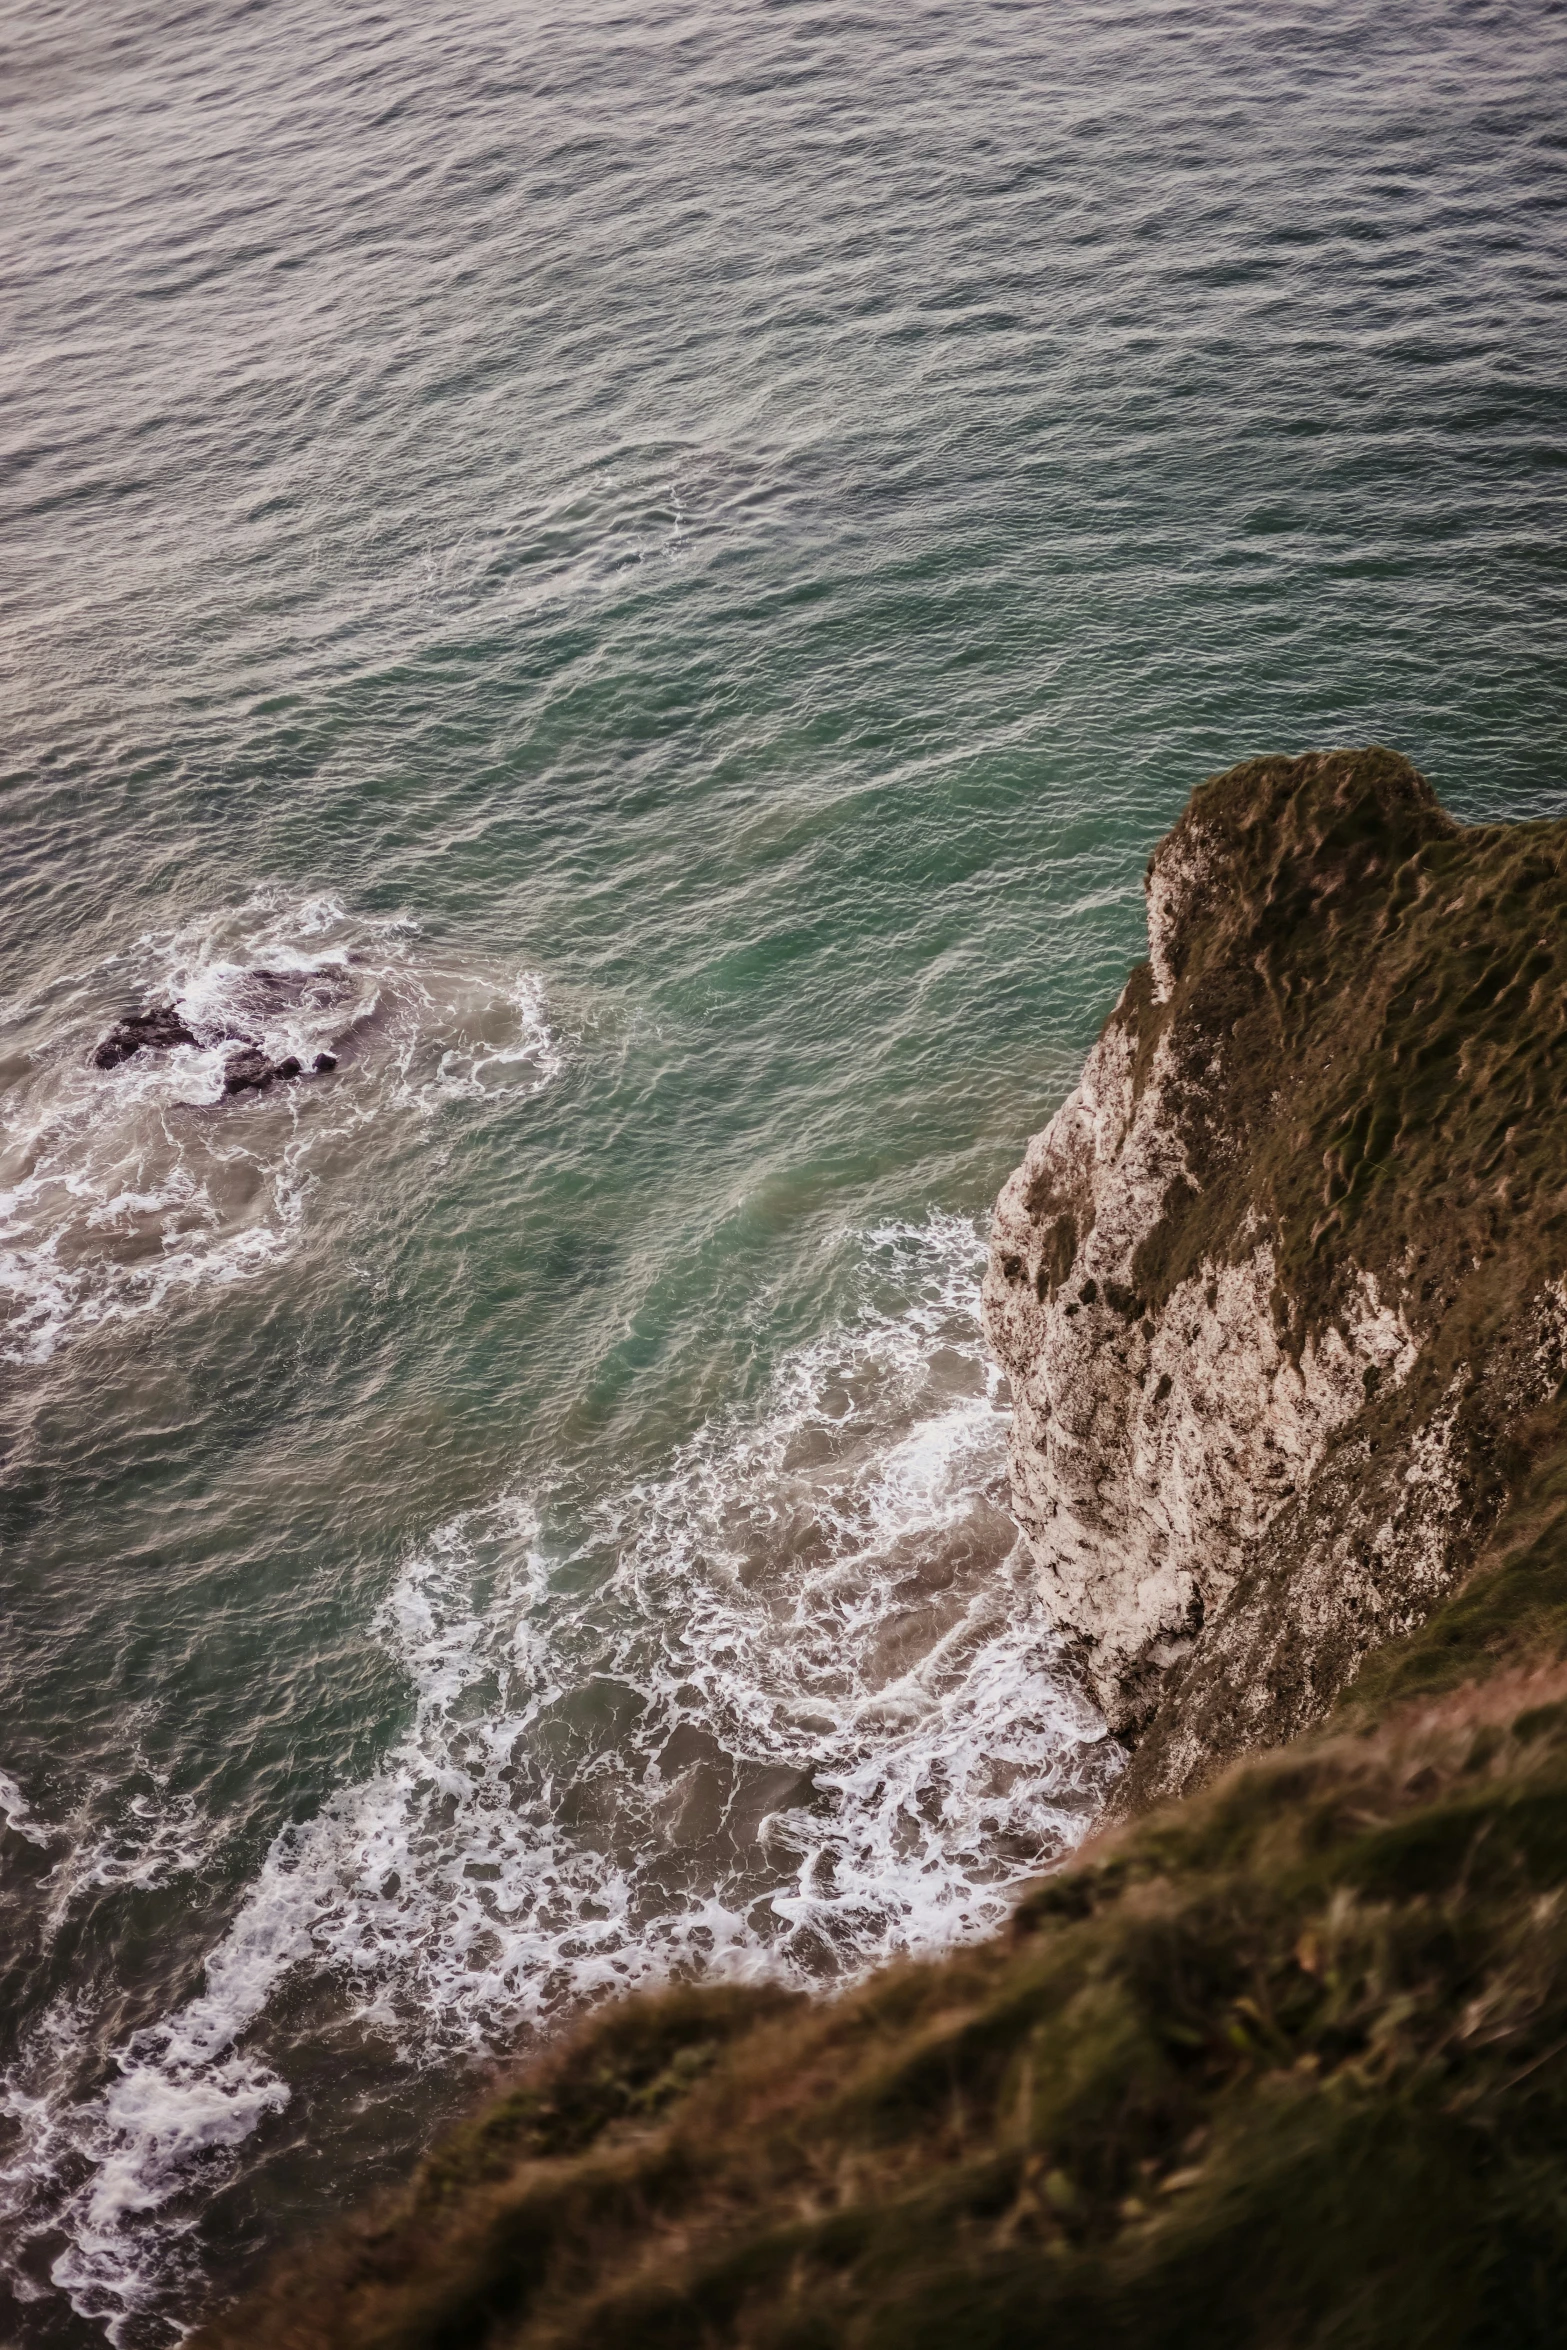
656 575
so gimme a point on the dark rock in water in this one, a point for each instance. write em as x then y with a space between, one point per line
249 1071
157 1029
246 1071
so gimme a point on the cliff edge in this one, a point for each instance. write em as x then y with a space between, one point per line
1279 1286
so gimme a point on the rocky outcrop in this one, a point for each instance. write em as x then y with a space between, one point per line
251 1071
1278 1284
161 1028
157 1029
1150 1449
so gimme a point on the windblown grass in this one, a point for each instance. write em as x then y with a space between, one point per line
1285 2065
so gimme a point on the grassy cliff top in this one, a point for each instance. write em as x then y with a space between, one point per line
1370 1006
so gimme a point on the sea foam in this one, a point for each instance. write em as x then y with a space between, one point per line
787 1707
121 1188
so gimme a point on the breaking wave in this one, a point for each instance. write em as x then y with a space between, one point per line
789 1707
122 1187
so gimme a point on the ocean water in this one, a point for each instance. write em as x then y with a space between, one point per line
647 576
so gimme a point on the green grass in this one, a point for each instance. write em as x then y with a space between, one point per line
1387 996
1512 1609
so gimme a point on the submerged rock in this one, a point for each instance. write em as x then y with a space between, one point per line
155 1030
252 1071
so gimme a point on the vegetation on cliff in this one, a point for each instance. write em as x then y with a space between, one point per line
1280 1287
1384 995
1282 2065
1388 992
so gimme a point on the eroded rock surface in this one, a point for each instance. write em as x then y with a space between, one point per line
156 1029
1274 1287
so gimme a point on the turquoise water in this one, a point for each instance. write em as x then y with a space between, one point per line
660 571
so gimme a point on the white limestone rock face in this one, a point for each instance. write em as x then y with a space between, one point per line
1150 1449
1274 1368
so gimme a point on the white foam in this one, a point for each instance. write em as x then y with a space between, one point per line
492 1045
788 1707
18 1813
136 1833
37 2103
121 1188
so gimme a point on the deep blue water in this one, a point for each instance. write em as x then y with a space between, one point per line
657 573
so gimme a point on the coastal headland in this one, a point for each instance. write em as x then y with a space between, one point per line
1280 2058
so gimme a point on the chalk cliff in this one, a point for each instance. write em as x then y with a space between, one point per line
1280 1278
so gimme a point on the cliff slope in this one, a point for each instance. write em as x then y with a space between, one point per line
1279 1286
1282 2068
1281 2064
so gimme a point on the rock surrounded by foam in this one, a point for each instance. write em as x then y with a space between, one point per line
252 1071
119 1186
265 993
158 1029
